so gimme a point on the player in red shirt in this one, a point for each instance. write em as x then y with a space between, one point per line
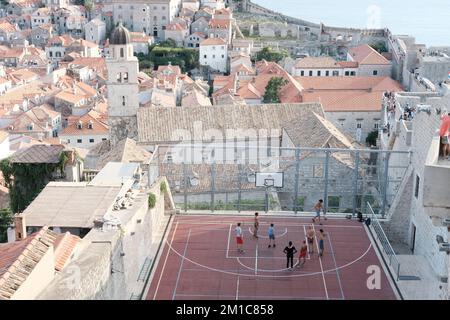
444 133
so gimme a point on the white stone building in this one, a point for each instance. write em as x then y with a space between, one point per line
123 87
95 31
214 54
84 132
371 63
149 16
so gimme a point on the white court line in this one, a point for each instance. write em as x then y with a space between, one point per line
229 297
279 224
256 259
335 264
165 261
321 267
229 236
307 244
181 265
266 237
268 270
270 276
237 289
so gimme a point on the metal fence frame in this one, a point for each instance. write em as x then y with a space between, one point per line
382 167
384 242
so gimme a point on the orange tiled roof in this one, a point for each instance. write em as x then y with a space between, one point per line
213 42
365 54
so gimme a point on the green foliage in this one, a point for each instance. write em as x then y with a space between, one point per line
6 219
151 200
272 94
187 59
89 4
372 137
169 43
246 205
167 52
300 203
163 187
26 180
379 46
269 54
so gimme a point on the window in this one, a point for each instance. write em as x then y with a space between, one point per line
91 140
68 140
347 73
327 73
375 72
223 56
358 125
335 73
214 56
353 73
302 73
123 101
416 190
125 76
204 56
318 170
376 126
79 140
334 202
310 73
319 73
103 139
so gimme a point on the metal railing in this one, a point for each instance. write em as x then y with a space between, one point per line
382 239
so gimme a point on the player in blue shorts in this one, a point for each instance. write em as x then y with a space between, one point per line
271 233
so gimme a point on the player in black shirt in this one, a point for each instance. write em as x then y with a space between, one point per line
290 251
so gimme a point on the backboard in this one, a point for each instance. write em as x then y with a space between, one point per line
269 179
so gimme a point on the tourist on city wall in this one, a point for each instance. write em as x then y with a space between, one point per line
444 134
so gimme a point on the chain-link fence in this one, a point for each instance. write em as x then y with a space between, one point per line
222 178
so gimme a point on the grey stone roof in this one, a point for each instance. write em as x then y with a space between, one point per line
124 151
120 36
39 153
158 125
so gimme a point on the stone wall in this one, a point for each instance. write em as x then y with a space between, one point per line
109 266
408 210
122 127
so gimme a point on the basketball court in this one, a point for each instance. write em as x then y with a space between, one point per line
200 261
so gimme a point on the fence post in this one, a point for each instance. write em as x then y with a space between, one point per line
239 187
185 184
213 185
297 177
325 193
355 183
386 182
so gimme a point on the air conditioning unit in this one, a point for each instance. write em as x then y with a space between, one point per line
445 247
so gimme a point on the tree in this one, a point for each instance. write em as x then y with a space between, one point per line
89 5
269 54
168 43
379 46
5 221
273 90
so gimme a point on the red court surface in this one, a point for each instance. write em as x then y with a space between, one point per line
200 261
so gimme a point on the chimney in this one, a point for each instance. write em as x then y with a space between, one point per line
236 84
20 227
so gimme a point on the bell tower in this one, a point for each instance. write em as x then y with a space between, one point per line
123 88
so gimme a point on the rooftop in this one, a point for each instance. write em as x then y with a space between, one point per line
70 204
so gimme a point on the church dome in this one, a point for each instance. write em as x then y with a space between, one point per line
120 36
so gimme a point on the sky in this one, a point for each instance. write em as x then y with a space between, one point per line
427 20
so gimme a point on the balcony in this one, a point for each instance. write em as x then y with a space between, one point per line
436 184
